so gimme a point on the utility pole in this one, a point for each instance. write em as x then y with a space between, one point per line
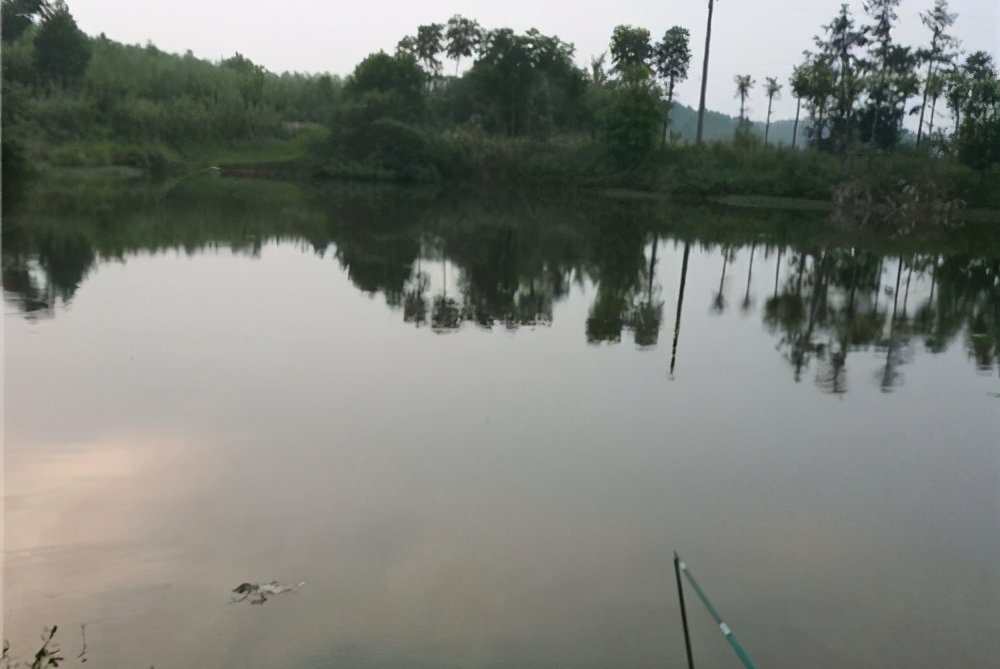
704 73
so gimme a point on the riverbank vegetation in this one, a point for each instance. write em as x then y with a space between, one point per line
522 111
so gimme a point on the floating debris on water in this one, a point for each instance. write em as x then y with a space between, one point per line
257 593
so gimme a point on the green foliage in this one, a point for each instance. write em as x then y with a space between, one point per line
142 107
891 78
463 38
631 115
744 84
522 111
428 45
815 82
630 48
839 50
17 16
398 78
672 57
978 137
382 88
525 83
61 50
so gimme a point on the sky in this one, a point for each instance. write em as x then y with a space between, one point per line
757 37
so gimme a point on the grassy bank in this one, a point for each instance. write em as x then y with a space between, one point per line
472 159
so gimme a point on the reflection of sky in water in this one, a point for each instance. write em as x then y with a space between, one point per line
485 498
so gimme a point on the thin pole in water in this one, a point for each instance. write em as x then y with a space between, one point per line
680 303
684 617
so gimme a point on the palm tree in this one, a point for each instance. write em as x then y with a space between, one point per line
428 45
463 37
799 82
704 72
744 82
773 90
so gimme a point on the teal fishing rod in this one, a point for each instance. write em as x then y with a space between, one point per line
680 567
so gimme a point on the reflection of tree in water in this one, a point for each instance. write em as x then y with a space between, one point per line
50 272
826 309
680 306
378 263
827 302
719 298
747 301
506 276
967 298
618 266
446 315
829 306
415 297
854 320
647 315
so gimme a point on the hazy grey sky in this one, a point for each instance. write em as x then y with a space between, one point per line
757 37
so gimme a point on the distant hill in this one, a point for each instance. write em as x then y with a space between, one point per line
721 127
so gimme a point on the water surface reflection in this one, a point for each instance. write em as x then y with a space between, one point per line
477 430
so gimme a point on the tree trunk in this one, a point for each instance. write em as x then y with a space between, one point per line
670 105
923 105
767 126
795 128
875 113
704 73
845 104
930 121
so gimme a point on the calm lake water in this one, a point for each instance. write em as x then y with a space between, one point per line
476 431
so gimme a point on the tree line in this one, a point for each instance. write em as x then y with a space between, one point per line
69 98
859 84
857 87
402 113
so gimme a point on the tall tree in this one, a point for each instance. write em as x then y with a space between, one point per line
671 58
631 116
800 87
744 83
978 140
526 82
881 112
935 87
773 90
17 15
598 75
815 83
463 37
840 50
630 48
956 94
407 45
62 51
704 73
938 20
428 45
961 80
